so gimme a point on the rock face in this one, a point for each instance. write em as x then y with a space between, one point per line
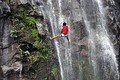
40 28
4 31
116 28
11 53
1 74
30 45
10 65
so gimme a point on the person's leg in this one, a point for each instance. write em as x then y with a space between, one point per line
54 37
67 38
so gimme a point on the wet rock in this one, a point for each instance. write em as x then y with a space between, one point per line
84 52
12 72
1 74
14 52
10 69
4 31
83 41
40 28
17 57
75 11
4 9
23 1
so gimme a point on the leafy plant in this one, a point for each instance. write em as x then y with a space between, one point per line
24 23
13 34
54 70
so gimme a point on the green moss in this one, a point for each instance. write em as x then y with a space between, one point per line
24 30
54 70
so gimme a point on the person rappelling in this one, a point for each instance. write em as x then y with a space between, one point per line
64 33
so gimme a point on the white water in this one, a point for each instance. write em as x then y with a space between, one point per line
64 56
55 25
101 53
101 49
63 53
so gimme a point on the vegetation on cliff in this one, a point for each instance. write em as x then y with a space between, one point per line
26 34
33 45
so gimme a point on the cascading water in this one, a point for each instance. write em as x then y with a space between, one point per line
101 55
101 51
64 55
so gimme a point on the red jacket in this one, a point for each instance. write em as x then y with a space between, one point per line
64 30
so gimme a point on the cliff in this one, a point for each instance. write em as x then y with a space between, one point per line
26 52
24 44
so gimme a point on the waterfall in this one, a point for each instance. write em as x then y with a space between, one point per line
56 21
101 50
54 28
101 63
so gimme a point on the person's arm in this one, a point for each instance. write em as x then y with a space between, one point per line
62 29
